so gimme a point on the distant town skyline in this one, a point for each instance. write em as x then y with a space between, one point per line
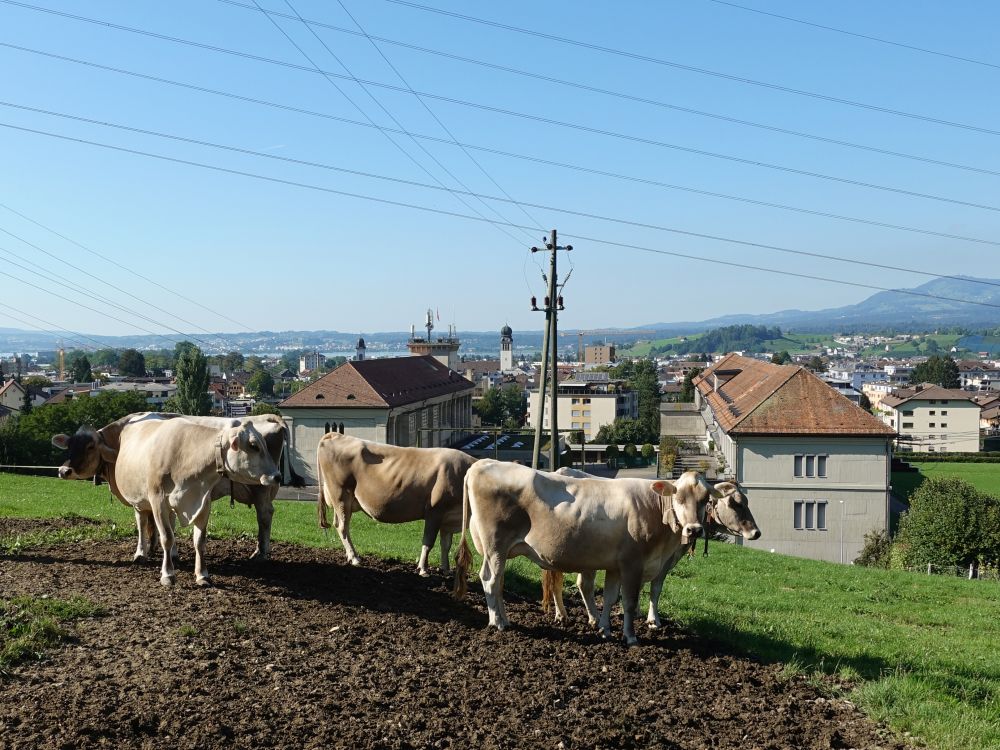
723 120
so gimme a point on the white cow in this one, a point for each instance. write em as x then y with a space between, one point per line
169 468
627 527
730 512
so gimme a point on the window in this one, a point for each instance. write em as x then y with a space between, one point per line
930 448
908 412
944 424
809 515
813 465
933 412
944 401
576 425
931 424
932 401
586 401
326 428
907 425
586 412
574 401
340 428
576 413
944 412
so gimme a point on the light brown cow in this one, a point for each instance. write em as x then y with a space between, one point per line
627 527
730 512
92 453
169 467
392 485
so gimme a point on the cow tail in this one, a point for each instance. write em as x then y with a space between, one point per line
463 557
550 579
320 499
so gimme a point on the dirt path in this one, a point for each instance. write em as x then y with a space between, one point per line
306 652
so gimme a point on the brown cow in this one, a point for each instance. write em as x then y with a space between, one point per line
627 527
92 453
392 485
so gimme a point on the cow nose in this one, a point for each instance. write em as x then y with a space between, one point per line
65 472
753 535
692 529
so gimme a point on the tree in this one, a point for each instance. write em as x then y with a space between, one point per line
816 364
648 451
260 384
81 370
687 388
865 403
931 346
939 370
622 430
781 358
262 407
192 383
647 385
131 362
489 407
232 362
37 381
253 363
950 522
513 406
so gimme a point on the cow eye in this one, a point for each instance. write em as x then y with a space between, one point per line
253 445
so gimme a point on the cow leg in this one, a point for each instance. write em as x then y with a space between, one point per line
446 540
165 526
491 574
199 536
612 586
174 554
144 525
655 587
557 599
342 507
431 527
585 582
631 585
265 512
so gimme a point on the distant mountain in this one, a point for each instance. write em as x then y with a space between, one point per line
920 310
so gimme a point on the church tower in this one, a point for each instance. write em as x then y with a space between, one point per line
506 349
360 353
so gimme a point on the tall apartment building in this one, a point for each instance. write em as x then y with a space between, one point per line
599 354
587 402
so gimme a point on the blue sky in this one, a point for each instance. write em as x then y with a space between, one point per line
274 256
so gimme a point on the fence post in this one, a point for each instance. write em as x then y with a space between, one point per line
928 568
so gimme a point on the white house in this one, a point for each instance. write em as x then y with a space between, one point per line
815 466
933 419
587 402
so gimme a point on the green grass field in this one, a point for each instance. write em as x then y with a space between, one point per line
985 477
915 651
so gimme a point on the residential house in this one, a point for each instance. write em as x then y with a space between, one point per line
587 401
933 419
974 375
408 401
815 466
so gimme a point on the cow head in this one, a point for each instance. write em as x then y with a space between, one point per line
246 458
732 510
683 509
88 451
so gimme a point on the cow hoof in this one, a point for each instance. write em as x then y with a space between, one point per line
137 558
168 580
424 573
605 634
629 642
355 561
204 581
653 625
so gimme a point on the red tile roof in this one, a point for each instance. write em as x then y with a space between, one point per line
379 384
752 397
925 392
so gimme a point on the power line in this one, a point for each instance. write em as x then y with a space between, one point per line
860 36
484 197
432 113
522 115
57 333
633 98
680 66
355 79
455 214
122 267
114 287
486 149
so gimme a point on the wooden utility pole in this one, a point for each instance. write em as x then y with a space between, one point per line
550 348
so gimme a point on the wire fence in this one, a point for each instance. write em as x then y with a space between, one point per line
973 572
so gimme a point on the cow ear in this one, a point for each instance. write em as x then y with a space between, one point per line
235 444
60 441
664 488
723 488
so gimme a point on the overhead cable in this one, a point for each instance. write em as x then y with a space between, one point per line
455 214
499 152
680 66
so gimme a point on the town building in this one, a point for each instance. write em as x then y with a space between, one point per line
815 466
360 351
506 349
12 396
974 375
587 401
443 348
310 361
599 354
406 401
933 419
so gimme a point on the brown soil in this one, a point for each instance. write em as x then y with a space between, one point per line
307 652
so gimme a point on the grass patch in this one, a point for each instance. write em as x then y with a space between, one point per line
985 477
917 652
29 626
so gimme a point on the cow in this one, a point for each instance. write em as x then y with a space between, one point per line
92 453
169 468
391 484
627 527
730 512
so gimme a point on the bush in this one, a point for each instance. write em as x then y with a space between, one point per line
648 451
950 522
877 550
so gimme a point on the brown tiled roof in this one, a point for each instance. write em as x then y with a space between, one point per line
379 383
754 397
926 391
480 367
